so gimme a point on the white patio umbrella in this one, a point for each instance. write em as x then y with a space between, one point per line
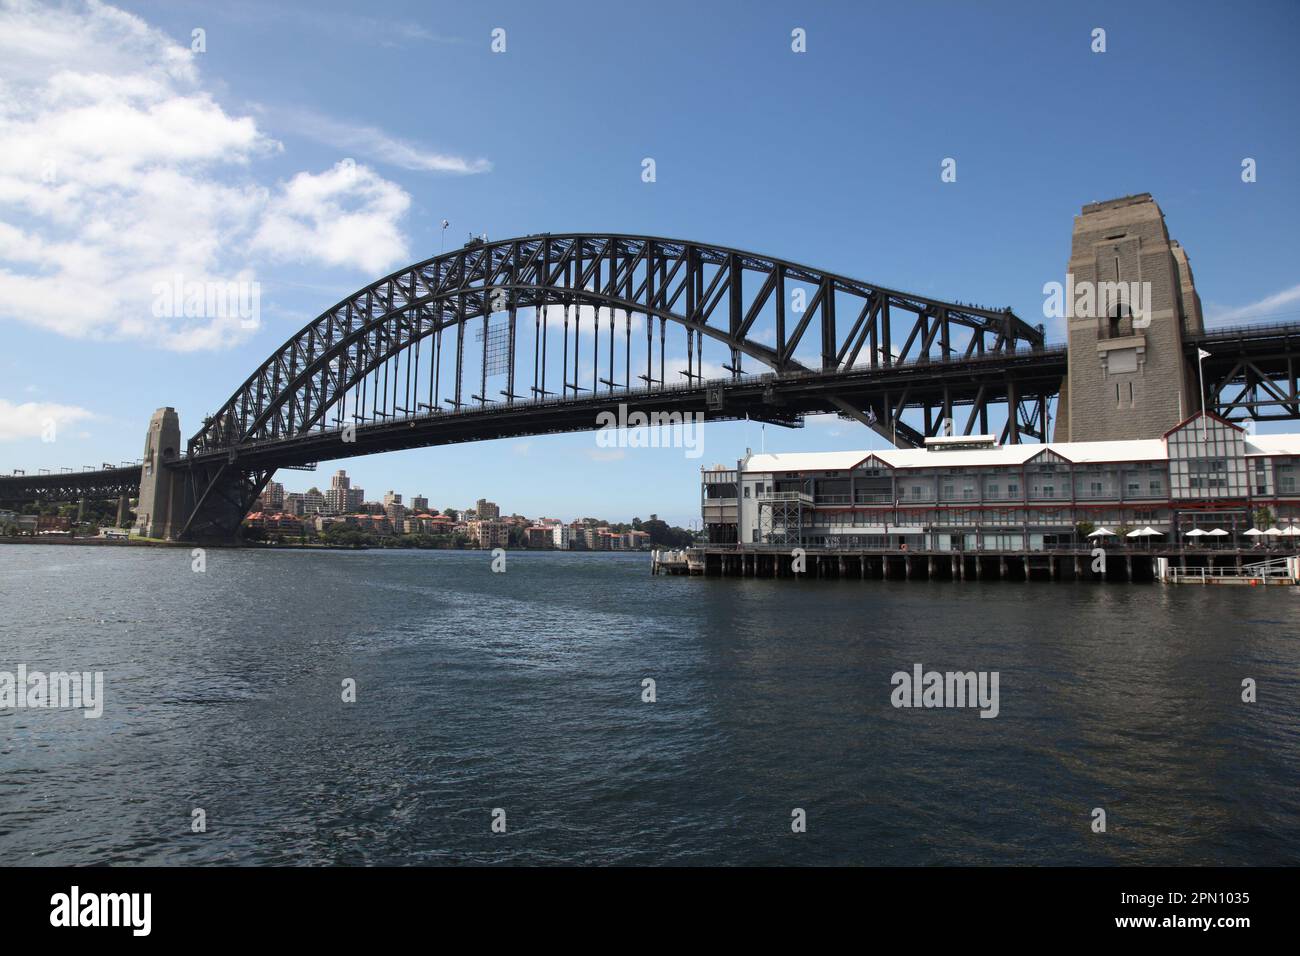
1254 533
1194 533
1292 531
1275 530
1146 532
1102 531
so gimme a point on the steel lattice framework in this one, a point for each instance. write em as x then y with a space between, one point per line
347 365
71 486
1253 371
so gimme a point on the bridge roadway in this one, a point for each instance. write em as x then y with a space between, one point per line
782 399
99 483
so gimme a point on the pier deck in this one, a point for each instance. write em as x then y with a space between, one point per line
1125 565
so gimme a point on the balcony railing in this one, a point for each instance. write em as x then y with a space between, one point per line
777 496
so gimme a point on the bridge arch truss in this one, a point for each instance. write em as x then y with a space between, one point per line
591 315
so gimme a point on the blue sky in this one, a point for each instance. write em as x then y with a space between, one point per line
224 163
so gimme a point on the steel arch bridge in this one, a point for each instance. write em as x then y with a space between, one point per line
701 290
410 359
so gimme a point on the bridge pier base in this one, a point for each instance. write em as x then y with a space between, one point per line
163 504
203 501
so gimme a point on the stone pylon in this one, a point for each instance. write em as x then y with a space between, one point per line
1130 301
164 505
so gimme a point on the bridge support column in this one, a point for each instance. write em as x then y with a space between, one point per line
123 509
164 505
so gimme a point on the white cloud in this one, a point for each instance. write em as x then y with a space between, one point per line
346 215
376 144
37 419
1269 307
118 172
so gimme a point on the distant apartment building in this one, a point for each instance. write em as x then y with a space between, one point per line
394 509
273 496
485 509
425 523
560 536
489 533
302 503
419 504
280 522
341 497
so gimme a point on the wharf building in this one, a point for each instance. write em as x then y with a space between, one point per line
971 494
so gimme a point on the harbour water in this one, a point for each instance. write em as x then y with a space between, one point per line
524 691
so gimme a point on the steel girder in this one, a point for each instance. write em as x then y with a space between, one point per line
1251 371
221 493
72 486
706 292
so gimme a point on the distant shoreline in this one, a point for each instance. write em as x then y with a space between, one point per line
264 546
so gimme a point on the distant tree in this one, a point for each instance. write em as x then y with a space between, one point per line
664 536
1084 528
1263 518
